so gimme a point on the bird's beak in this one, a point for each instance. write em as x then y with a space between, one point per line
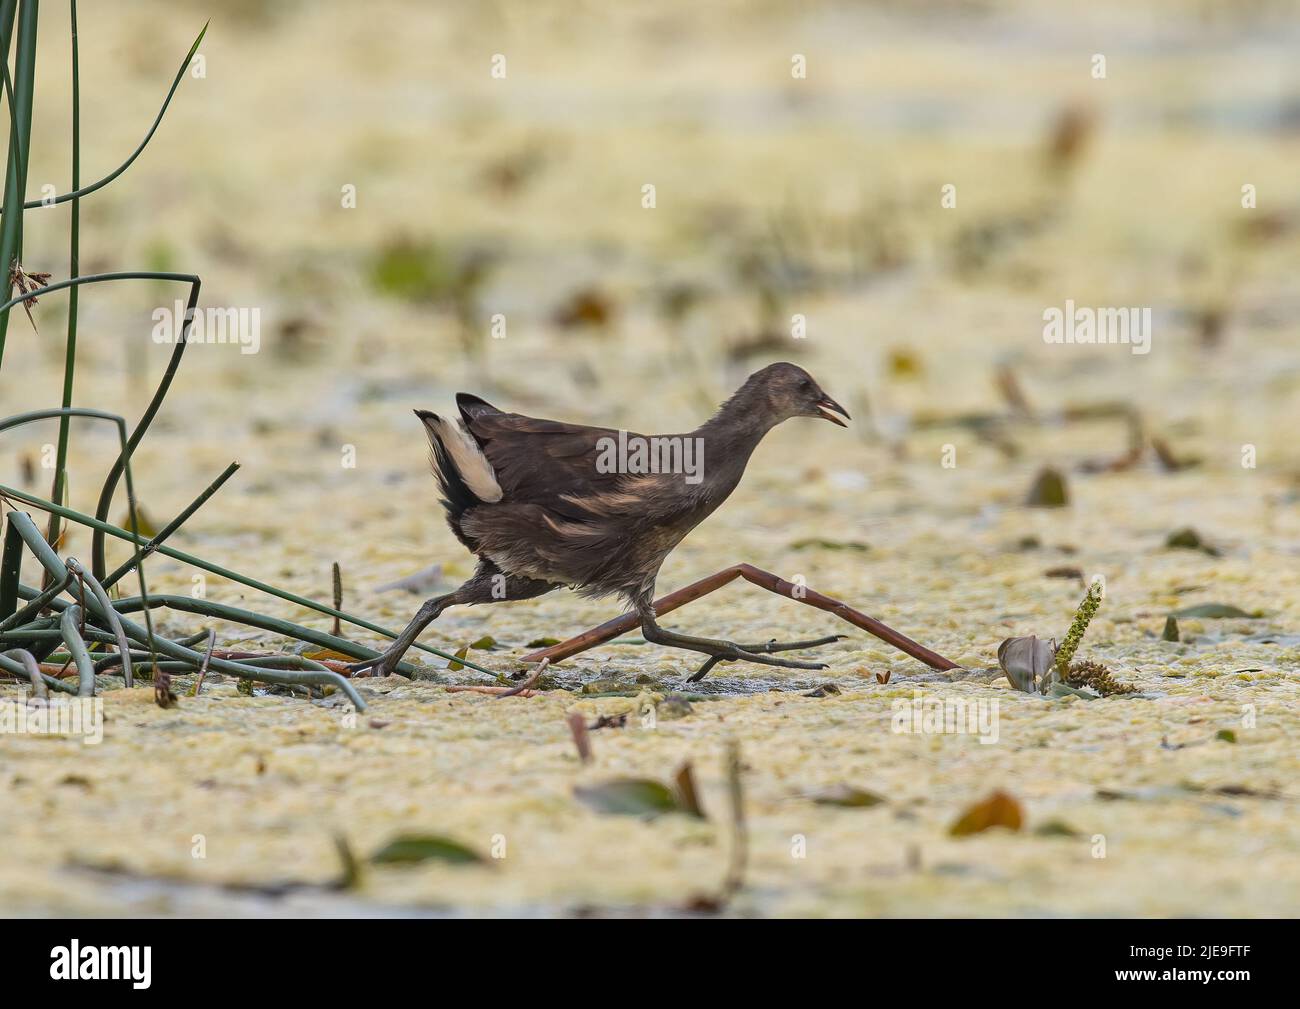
829 408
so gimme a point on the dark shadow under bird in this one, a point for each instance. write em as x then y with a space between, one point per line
547 505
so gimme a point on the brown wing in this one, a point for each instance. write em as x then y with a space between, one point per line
542 462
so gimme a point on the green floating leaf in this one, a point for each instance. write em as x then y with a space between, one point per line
543 642
1213 611
1227 735
848 796
1170 632
410 849
630 797
484 644
1056 828
1059 689
1048 490
454 666
816 543
1188 538
413 271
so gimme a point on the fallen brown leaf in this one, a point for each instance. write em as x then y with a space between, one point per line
998 810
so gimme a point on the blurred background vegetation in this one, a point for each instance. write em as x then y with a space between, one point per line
775 196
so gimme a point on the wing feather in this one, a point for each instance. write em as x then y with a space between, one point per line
544 462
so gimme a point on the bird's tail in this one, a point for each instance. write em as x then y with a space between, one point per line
464 475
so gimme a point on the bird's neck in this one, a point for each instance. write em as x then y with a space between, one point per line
745 416
735 430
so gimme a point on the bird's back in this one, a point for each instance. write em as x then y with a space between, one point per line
564 513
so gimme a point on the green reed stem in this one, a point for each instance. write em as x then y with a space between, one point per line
235 576
20 102
68 623
94 186
34 415
157 541
219 611
74 268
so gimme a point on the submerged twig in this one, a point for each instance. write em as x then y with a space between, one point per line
530 682
764 579
739 857
474 688
338 596
581 738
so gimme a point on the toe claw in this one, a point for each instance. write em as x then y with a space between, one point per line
374 666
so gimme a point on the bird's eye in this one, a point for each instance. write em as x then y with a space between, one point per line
805 385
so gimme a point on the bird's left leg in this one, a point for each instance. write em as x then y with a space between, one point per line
488 585
384 663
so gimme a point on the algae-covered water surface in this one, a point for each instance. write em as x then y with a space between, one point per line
1045 257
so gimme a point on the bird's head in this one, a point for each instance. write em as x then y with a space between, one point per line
789 391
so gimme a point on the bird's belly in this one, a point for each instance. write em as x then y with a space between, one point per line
595 558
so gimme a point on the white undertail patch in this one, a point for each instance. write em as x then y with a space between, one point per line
466 456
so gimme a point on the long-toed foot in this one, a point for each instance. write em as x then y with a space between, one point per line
758 653
740 655
713 660
791 646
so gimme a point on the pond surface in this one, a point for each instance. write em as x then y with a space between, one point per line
776 197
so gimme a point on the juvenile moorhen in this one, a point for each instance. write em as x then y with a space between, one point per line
545 504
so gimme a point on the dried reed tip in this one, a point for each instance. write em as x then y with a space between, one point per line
1098 677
